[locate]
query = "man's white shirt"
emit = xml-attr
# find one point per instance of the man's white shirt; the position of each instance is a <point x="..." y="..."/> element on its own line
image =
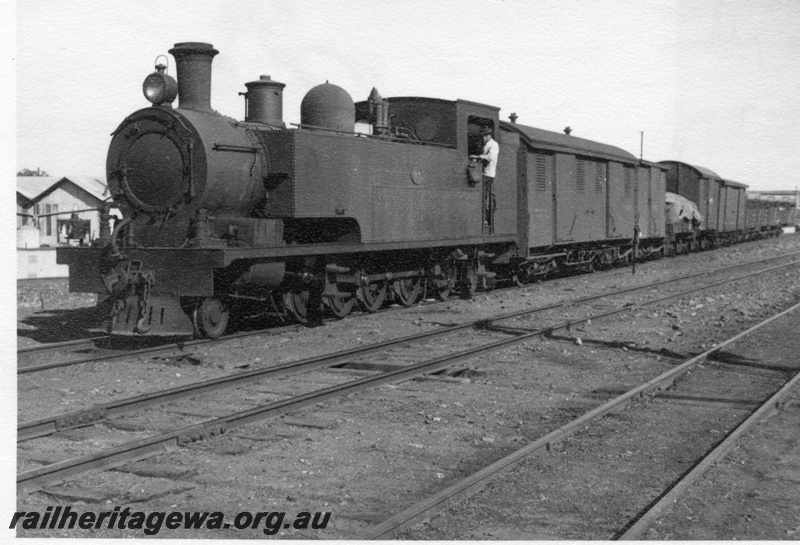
<point x="491" y="150"/>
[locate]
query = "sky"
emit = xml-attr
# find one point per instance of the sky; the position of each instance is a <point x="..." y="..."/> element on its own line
<point x="709" y="82"/>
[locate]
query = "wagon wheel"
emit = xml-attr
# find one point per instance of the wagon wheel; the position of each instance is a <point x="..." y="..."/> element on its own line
<point x="341" y="305"/>
<point x="408" y="290"/>
<point x="469" y="285"/>
<point x="373" y="295"/>
<point x="210" y="318"/>
<point x="522" y="275"/>
<point x="296" y="304"/>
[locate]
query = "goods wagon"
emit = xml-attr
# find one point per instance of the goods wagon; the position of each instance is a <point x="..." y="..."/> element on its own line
<point x="721" y="203"/>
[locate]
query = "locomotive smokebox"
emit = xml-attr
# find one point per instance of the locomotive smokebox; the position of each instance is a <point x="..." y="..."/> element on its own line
<point x="265" y="101"/>
<point x="194" y="74"/>
<point x="328" y="106"/>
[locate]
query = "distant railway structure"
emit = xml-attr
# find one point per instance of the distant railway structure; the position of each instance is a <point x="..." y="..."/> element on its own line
<point x="53" y="210"/>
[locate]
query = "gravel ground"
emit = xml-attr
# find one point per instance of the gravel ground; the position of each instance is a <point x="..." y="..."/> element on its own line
<point x="754" y="492"/>
<point x="599" y="479"/>
<point x="365" y="457"/>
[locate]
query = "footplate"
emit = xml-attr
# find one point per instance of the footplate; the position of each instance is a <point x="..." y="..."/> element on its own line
<point x="162" y="316"/>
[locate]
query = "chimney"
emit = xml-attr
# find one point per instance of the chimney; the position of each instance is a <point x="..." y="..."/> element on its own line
<point x="193" y="60"/>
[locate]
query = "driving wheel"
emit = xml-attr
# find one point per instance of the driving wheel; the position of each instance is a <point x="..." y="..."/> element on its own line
<point x="408" y="290"/>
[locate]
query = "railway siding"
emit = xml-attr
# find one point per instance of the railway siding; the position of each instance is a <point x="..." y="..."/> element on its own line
<point x="596" y="481"/>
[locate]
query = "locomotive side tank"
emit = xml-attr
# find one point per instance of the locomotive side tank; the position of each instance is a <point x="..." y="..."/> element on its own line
<point x="382" y="189"/>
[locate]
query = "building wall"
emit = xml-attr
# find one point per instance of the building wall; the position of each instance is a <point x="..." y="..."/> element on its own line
<point x="65" y="198"/>
<point x="24" y="211"/>
<point x="39" y="263"/>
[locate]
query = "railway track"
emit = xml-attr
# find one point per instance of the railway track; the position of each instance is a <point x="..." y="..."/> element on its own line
<point x="670" y="496"/>
<point x="426" y="508"/>
<point x="128" y="451"/>
<point x="83" y="346"/>
<point x="86" y="350"/>
<point x="51" y="424"/>
<point x="42" y="348"/>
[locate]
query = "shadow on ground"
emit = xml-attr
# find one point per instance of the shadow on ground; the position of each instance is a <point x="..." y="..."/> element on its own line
<point x="50" y="326"/>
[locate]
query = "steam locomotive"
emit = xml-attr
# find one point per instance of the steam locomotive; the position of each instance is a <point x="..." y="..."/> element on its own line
<point x="358" y="204"/>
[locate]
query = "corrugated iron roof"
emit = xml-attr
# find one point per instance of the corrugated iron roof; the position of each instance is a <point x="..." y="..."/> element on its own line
<point x="555" y="141"/>
<point x="32" y="187"/>
<point x="95" y="186"/>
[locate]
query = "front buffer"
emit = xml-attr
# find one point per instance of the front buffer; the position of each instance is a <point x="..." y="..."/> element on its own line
<point x="154" y="292"/>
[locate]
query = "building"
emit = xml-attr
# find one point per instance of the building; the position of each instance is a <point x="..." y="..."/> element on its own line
<point x="45" y="203"/>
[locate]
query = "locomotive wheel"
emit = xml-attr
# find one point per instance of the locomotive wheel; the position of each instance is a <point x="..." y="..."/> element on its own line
<point x="296" y="303"/>
<point x="211" y="318"/>
<point x="342" y="306"/>
<point x="373" y="295"/>
<point x="408" y="290"/>
<point x="441" y="285"/>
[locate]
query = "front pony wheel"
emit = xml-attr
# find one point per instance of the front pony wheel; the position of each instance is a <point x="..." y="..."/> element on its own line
<point x="210" y="318"/>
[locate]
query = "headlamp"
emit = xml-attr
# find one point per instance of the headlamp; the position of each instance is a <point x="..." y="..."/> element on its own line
<point x="159" y="88"/>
